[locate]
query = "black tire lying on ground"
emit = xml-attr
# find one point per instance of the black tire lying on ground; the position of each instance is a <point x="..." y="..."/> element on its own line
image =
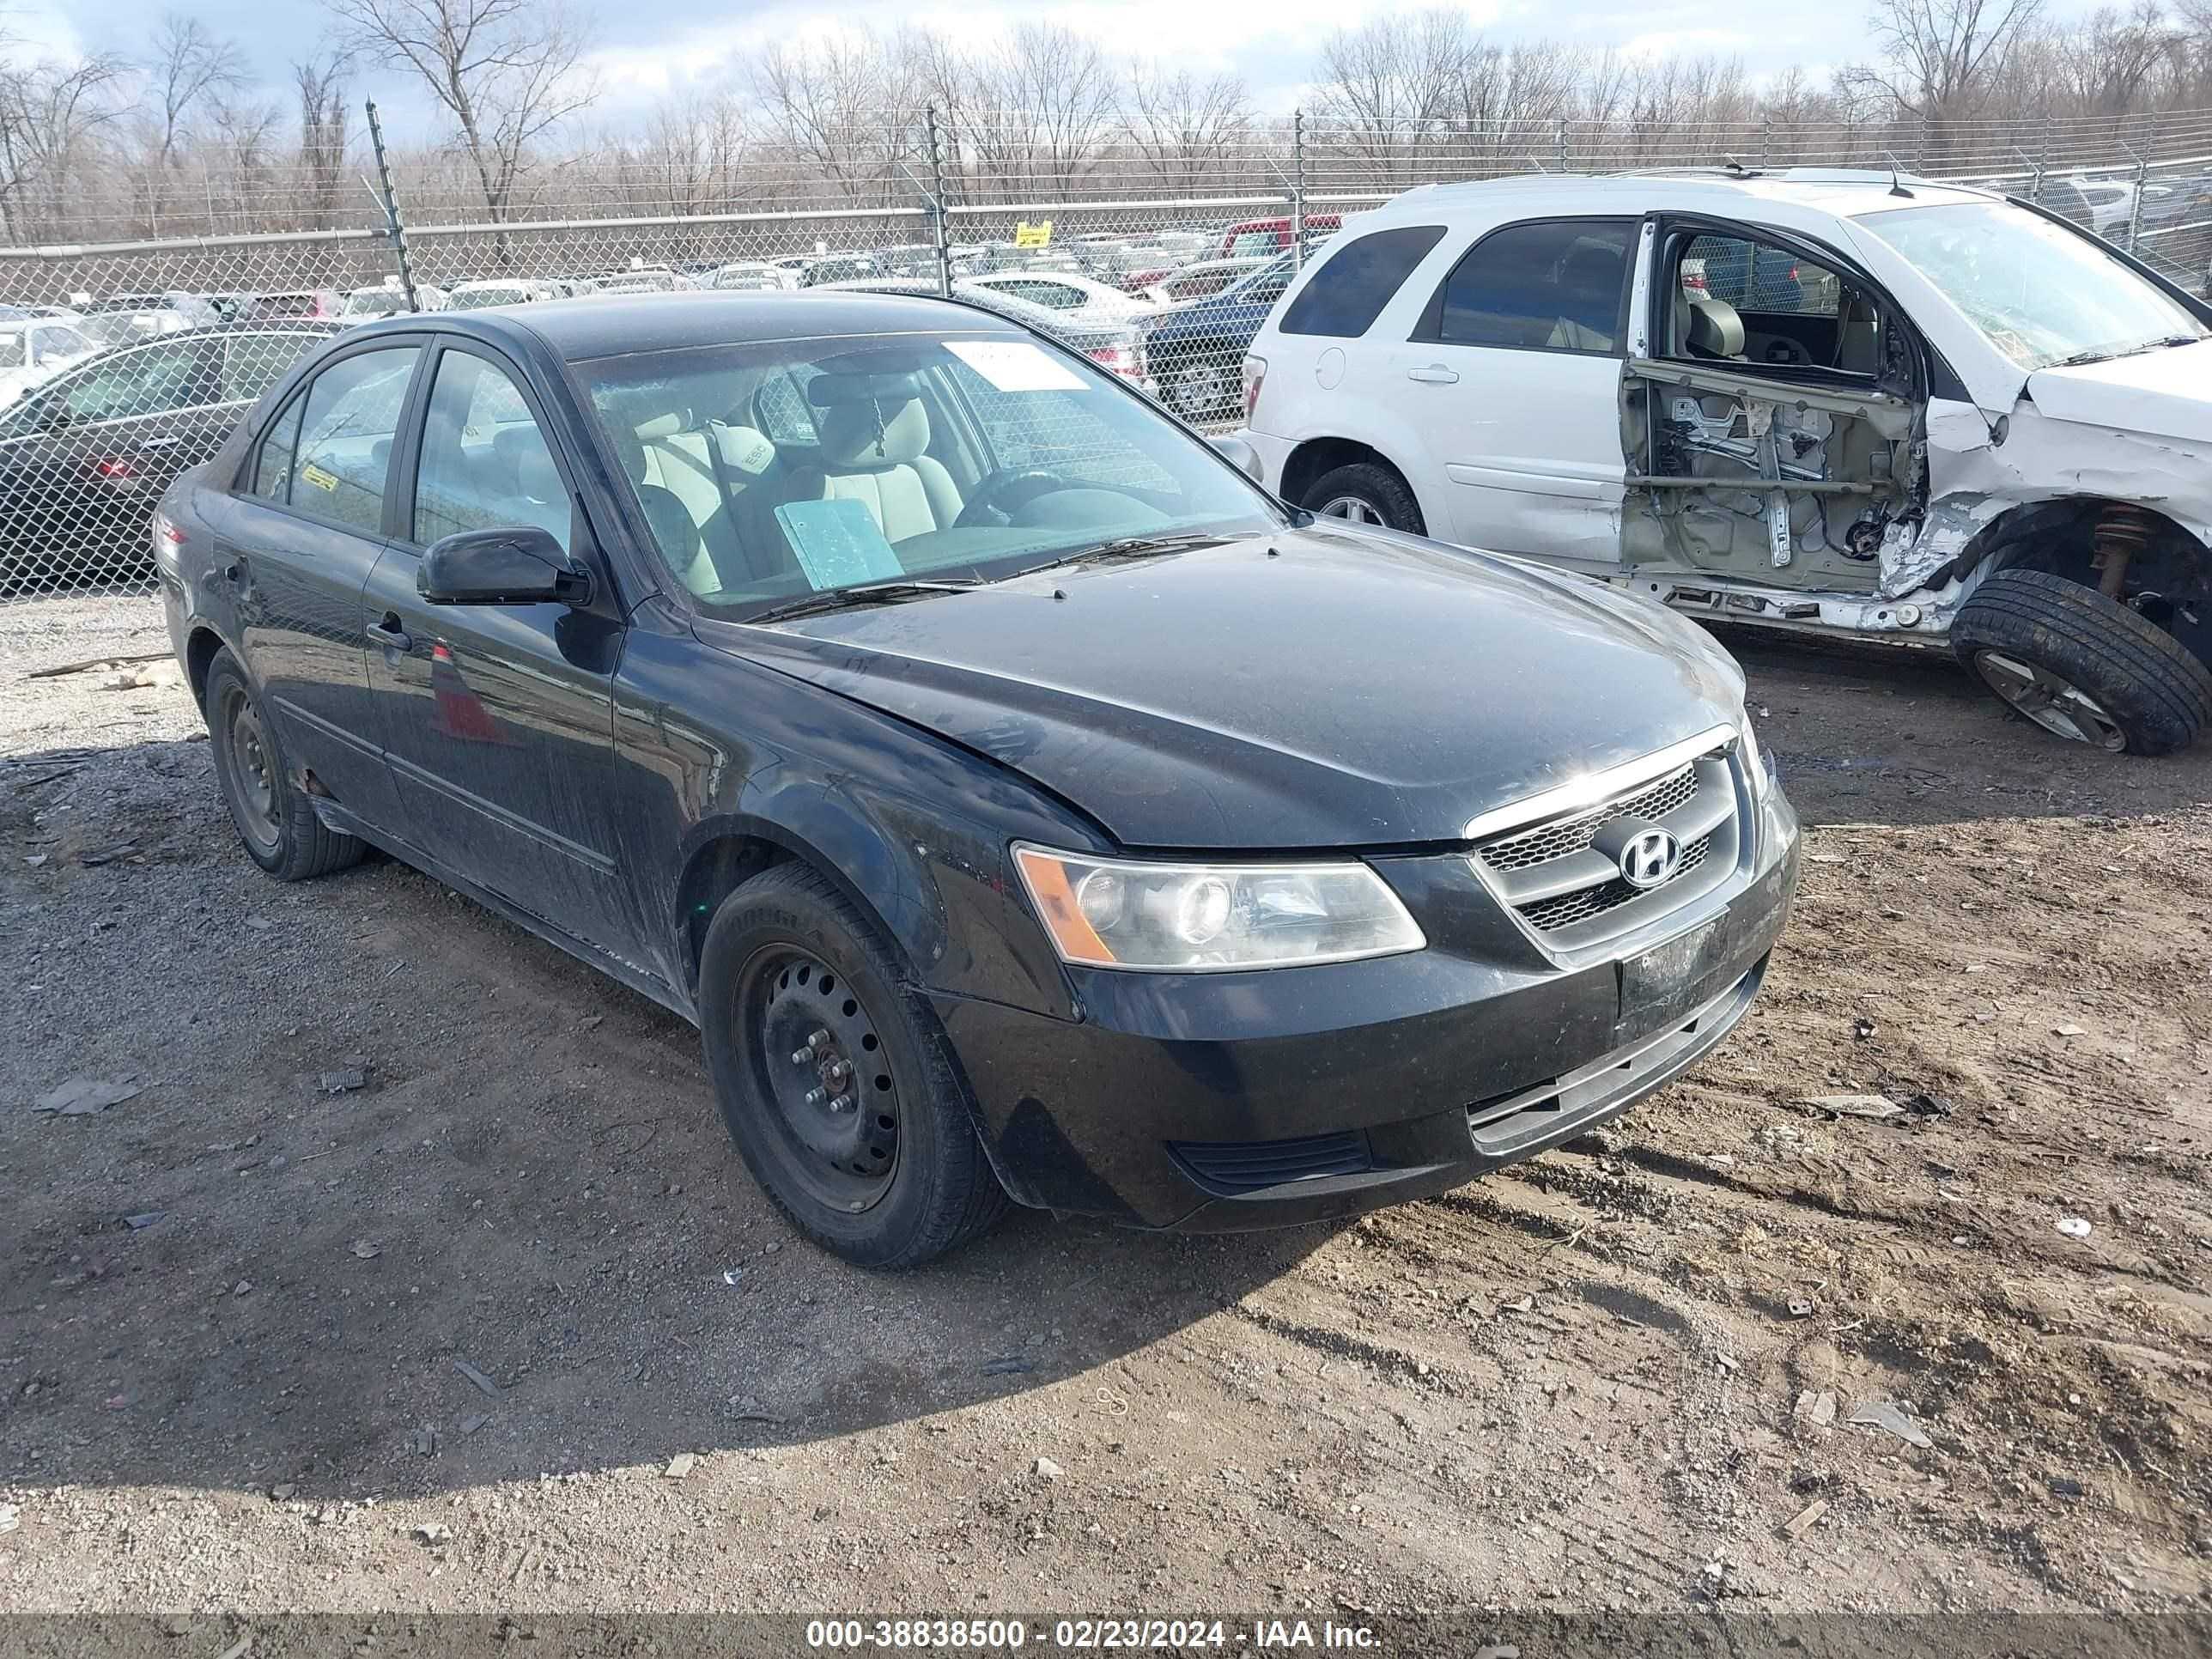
<point x="2097" y="672"/>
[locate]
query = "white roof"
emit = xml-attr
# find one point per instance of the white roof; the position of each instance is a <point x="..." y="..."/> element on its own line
<point x="1839" y="190"/>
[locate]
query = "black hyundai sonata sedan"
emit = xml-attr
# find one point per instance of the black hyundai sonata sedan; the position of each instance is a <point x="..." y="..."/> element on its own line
<point x="1022" y="803"/>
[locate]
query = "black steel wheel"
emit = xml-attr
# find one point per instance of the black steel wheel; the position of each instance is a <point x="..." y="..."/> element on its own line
<point x="835" y="1079"/>
<point x="273" y="818"/>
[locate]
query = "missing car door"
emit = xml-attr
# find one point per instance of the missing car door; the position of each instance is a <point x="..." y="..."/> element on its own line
<point x="1774" y="434"/>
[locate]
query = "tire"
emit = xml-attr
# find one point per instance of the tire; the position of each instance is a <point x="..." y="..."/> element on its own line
<point x="273" y="816"/>
<point x="1199" y="388"/>
<point x="2095" y="672"/>
<point x="1369" y="487"/>
<point x="897" y="1177"/>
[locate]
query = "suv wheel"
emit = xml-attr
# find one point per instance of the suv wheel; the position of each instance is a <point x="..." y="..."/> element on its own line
<point x="273" y="816"/>
<point x="1197" y="391"/>
<point x="835" y="1079"/>
<point x="1366" y="492"/>
<point x="2080" y="666"/>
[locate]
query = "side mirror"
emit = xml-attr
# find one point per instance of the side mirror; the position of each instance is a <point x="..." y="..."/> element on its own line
<point x="507" y="564"/>
<point x="1239" y="454"/>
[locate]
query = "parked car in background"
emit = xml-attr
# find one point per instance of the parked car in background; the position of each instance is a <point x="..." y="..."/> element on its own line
<point x="34" y="350"/>
<point x="302" y="304"/>
<point x="996" y="819"/>
<point x="115" y="328"/>
<point x="1962" y="419"/>
<point x="1111" y="346"/>
<point x="1263" y="238"/>
<point x="84" y="457"/>
<point x="366" y="305"/>
<point x="1081" y="300"/>
<point x="190" y="310"/>
<point x="485" y="292"/>
<point x="840" y="268"/>
<point x="752" y="277"/>
<point x="1203" y="277"/>
<point x="646" y="282"/>
<point x="1192" y="353"/>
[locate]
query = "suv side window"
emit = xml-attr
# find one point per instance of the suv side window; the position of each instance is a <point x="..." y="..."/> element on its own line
<point x="1356" y="280"/>
<point x="1737" y="299"/>
<point x="485" y="461"/>
<point x="352" y="411"/>
<point x="1552" y="285"/>
<point x="146" y="382"/>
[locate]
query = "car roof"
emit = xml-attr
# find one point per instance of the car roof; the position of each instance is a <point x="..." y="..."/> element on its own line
<point x="1839" y="190"/>
<point x="604" y="326"/>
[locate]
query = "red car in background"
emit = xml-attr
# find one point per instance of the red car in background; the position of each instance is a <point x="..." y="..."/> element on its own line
<point x="1265" y="237"/>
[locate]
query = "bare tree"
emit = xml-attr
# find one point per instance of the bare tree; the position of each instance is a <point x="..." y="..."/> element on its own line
<point x="1941" y="59"/>
<point x="1185" y="130"/>
<point x="321" y="83"/>
<point x="507" y="71"/>
<point x="50" y="114"/>
<point x="1385" y="89"/>
<point x="843" y="108"/>
<point x="1044" y="108"/>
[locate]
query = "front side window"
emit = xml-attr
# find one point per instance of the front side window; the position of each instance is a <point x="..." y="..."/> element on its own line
<point x="485" y="462"/>
<point x="1552" y="286"/>
<point x="345" y="436"/>
<point x="2041" y="294"/>
<point x="1357" y="279"/>
<point x="959" y="457"/>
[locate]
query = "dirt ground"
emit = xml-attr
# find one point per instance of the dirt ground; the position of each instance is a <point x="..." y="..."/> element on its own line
<point x="433" y="1342"/>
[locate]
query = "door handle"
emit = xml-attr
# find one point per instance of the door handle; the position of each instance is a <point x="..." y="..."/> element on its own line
<point x="389" y="633"/>
<point x="1434" y="375"/>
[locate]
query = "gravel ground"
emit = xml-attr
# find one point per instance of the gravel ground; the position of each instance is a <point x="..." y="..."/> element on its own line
<point x="507" y="1326"/>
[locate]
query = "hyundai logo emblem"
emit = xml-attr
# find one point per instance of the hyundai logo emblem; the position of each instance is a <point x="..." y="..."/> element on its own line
<point x="1649" y="858"/>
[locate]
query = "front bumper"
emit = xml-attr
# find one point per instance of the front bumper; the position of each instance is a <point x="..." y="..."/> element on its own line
<point x="1228" y="1100"/>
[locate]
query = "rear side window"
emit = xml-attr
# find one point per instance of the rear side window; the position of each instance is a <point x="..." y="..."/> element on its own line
<point x="345" y="439"/>
<point x="1357" y="280"/>
<point x="1554" y="286"/>
<point x="272" y="462"/>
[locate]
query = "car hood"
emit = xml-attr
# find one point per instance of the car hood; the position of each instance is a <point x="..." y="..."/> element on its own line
<point x="1320" y="688"/>
<point x="2166" y="394"/>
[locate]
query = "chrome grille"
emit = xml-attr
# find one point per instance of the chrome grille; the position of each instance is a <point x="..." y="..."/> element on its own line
<point x="1564" y="909"/>
<point x="1558" y="839"/>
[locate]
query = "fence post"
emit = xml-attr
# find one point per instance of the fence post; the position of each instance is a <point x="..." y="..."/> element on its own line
<point x="394" y="226"/>
<point x="1298" y="189"/>
<point x="2042" y="167"/>
<point x="2143" y="178"/>
<point x="1559" y="140"/>
<point x="1767" y="141"/>
<point x="940" y="228"/>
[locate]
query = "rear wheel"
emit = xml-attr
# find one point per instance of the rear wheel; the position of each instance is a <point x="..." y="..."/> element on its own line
<point x="273" y="816"/>
<point x="835" y="1079"/>
<point x="1366" y="492"/>
<point x="1200" y="390"/>
<point x="2083" y="667"/>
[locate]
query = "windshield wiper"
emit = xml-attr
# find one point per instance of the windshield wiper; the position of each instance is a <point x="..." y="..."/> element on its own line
<point x="1125" y="547"/>
<point x="897" y="591"/>
<point x="2080" y="359"/>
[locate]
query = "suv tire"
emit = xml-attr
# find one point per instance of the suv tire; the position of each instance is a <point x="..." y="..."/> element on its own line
<point x="2083" y="667"/>
<point x="794" y="984"/>
<point x="273" y="816"/>
<point x="1365" y="492"/>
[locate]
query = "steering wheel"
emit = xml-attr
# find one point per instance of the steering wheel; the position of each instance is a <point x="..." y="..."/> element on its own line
<point x="1020" y="485"/>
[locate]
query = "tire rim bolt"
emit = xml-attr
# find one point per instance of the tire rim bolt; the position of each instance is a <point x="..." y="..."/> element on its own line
<point x="816" y="1096"/>
<point x="801" y="1056"/>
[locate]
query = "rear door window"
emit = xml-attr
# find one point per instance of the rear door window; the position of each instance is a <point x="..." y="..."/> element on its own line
<point x="345" y="439"/>
<point x="1554" y="285"/>
<point x="1357" y="279"/>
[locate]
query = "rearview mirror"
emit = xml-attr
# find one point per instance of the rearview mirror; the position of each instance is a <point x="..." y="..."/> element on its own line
<point x="1239" y="454"/>
<point x="507" y="564"/>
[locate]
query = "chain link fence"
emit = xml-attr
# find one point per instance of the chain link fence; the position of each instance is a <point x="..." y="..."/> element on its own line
<point x="123" y="361"/>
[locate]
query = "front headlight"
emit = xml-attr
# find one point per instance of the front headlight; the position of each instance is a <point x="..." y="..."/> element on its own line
<point x="1208" y="917"/>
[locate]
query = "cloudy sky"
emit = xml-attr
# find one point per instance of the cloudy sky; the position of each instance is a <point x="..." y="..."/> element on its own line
<point x="645" y="51"/>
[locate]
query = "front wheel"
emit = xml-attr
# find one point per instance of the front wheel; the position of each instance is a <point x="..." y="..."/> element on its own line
<point x="835" y="1079"/>
<point x="1366" y="492"/>
<point x="2083" y="667"/>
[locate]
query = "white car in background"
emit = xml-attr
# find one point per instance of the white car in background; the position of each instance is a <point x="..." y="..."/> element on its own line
<point x="1082" y="300"/>
<point x="753" y="276"/>
<point x="366" y="305"/>
<point x="34" y="352"/>
<point x="1830" y="401"/>
<point x="490" y="291"/>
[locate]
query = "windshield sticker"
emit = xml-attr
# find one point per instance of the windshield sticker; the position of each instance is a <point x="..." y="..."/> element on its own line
<point x="1015" y="365"/>
<point x="837" y="544"/>
<point x="315" y="475"/>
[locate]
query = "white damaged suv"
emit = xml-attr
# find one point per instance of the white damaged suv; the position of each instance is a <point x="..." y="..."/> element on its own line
<point x="1835" y="401"/>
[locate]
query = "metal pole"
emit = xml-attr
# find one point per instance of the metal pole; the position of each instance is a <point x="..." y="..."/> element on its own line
<point x="394" y="226"/>
<point x="1298" y="189"/>
<point x="939" y="227"/>
<point x="1767" y="141"/>
<point x="2142" y="177"/>
<point x="1559" y="140"/>
<point x="1920" y="145"/>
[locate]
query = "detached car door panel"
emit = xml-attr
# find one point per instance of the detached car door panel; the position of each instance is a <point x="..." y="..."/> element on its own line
<point x="498" y="720"/>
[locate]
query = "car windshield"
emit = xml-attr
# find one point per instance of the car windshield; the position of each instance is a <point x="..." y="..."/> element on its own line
<point x="121" y="327"/>
<point x="862" y="459"/>
<point x="376" y="302"/>
<point x="476" y="299"/>
<point x="2043" y="294"/>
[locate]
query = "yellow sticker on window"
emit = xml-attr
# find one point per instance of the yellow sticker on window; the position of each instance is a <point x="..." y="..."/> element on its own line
<point x="315" y="475"/>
